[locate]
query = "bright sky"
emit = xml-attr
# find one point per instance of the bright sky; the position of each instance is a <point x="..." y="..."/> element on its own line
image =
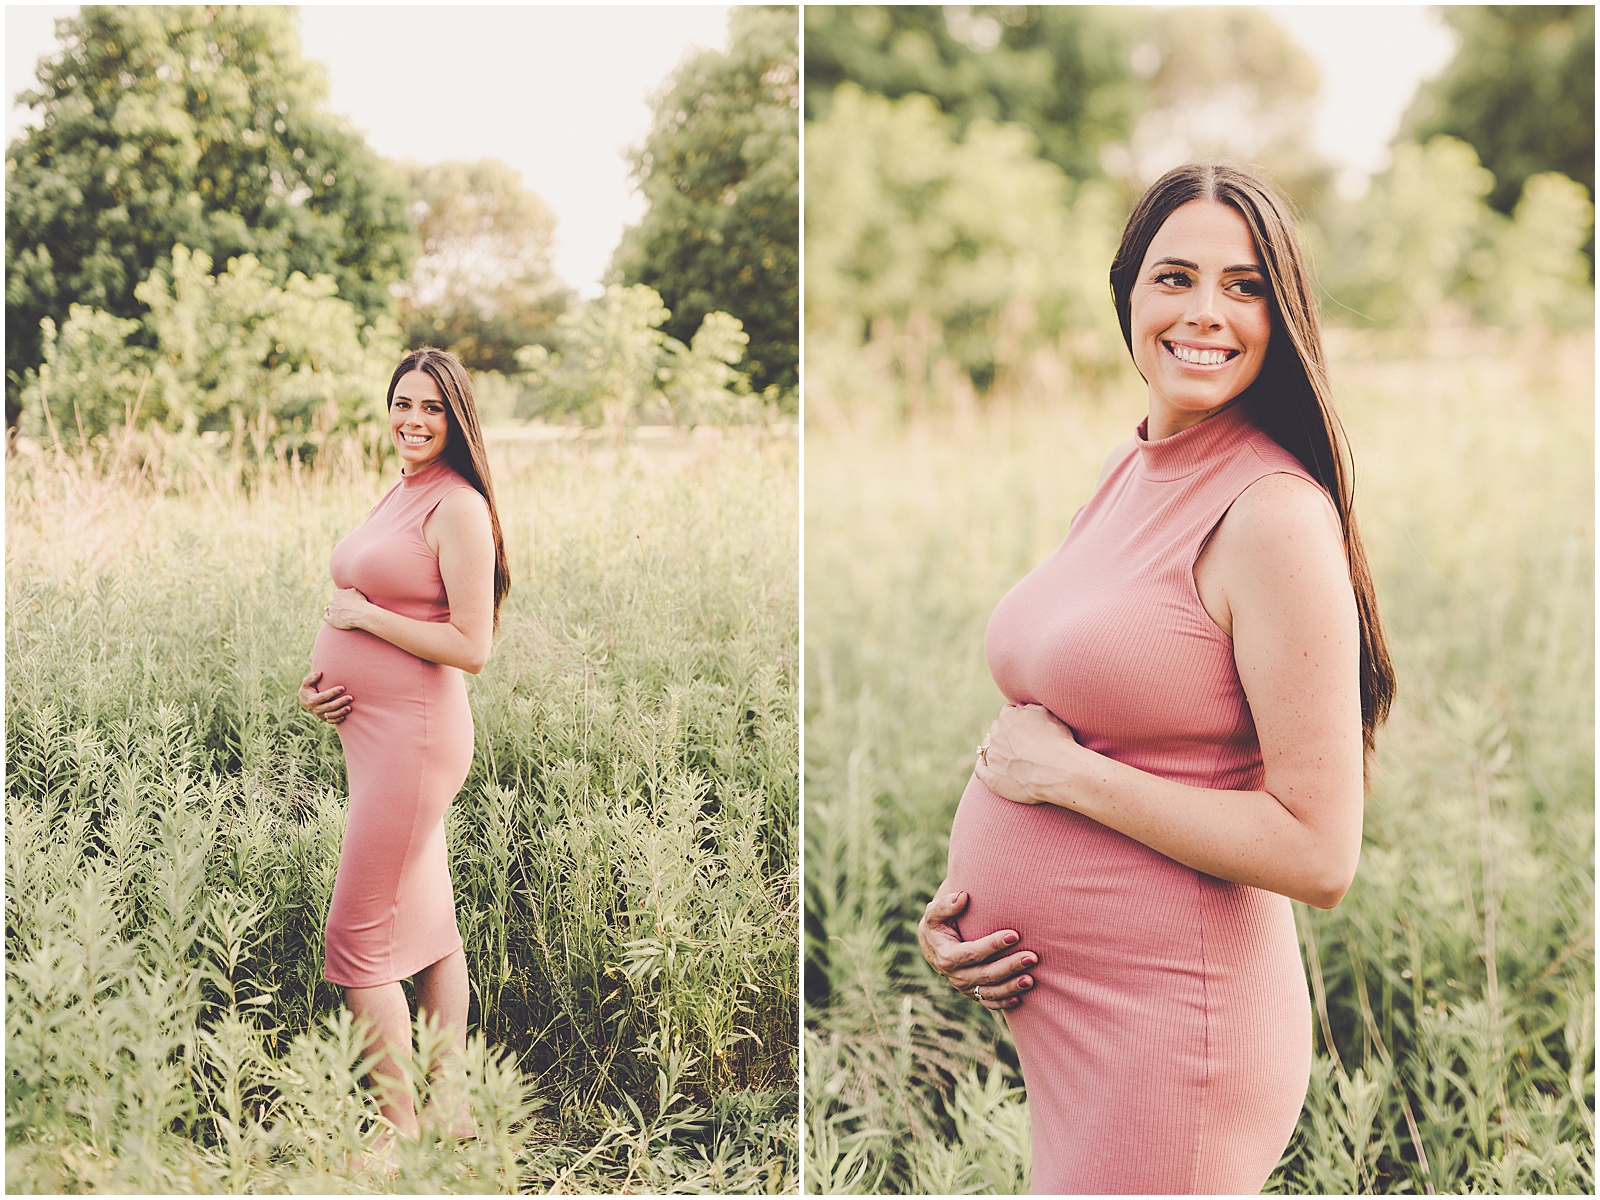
<point x="561" y="92"/>
<point x="1371" y="57"/>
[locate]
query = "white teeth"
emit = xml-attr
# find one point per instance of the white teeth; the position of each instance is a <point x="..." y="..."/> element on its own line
<point x="1200" y="358"/>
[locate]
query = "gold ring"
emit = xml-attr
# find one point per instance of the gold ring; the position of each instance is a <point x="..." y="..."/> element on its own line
<point x="983" y="753"/>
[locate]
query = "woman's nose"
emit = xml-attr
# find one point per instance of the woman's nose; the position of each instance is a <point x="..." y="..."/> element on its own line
<point x="1203" y="307"/>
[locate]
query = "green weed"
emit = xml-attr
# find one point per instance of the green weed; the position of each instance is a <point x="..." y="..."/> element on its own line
<point x="624" y="849"/>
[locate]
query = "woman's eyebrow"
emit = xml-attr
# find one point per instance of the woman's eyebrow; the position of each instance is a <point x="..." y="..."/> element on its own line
<point x="1183" y="262"/>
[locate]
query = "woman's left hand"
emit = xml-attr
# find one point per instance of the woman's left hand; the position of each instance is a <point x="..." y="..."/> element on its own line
<point x="346" y="609"/>
<point x="1026" y="756"/>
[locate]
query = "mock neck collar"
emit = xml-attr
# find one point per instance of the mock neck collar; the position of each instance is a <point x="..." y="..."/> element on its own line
<point x="1186" y="451"/>
<point x="423" y="474"/>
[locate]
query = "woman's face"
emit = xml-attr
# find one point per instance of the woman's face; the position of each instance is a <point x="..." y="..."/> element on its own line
<point x="1200" y="317"/>
<point x="418" y="421"/>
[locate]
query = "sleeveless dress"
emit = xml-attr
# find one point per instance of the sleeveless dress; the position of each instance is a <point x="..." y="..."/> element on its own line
<point x="407" y="746"/>
<point x="1166" y="1042"/>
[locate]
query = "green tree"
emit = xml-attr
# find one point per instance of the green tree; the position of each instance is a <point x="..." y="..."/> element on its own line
<point x="616" y="365"/>
<point x="200" y="126"/>
<point x="1520" y="91"/>
<point x="484" y="284"/>
<point x="1107" y="91"/>
<point x="1224" y="83"/>
<point x="1401" y="251"/>
<point x="1066" y="72"/>
<point x="1424" y="239"/>
<point x="232" y="352"/>
<point x="721" y="171"/>
<point x="971" y="250"/>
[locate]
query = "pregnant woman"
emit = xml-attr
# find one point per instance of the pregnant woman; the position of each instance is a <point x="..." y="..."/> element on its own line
<point x="419" y="591"/>
<point x="1195" y="676"/>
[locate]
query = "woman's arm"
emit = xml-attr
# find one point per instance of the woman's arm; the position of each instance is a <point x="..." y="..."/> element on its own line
<point x="1277" y="580"/>
<point x="460" y="533"/>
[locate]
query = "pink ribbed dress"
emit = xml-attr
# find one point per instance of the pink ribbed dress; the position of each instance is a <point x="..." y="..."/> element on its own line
<point x="1166" y="1043"/>
<point x="407" y="749"/>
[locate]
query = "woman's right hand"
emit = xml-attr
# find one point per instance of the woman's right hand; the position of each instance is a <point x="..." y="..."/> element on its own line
<point x="988" y="968"/>
<point x="331" y="706"/>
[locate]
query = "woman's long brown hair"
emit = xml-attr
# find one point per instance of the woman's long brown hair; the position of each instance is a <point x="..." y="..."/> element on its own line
<point x="1291" y="399"/>
<point x="463" y="447"/>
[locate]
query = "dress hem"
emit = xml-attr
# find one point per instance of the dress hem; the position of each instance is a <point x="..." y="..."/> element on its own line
<point x="460" y="943"/>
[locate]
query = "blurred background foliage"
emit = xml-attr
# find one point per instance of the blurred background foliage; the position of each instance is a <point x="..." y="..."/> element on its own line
<point x="1520" y="92"/>
<point x="921" y="118"/>
<point x="186" y="153"/>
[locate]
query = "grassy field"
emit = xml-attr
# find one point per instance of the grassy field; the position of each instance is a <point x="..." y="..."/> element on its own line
<point x="624" y="851"/>
<point x="1455" y="984"/>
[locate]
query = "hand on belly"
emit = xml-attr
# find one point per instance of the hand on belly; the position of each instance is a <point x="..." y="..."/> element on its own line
<point x="991" y="970"/>
<point x="1027" y="755"/>
<point x="332" y="705"/>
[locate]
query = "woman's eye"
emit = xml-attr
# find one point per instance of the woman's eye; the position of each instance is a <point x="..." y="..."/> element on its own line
<point x="1251" y="287"/>
<point x="1176" y="278"/>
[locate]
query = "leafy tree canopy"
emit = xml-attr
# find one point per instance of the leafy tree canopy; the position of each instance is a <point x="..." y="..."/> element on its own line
<point x="1225" y="83"/>
<point x="1066" y="72"/>
<point x="721" y="171"/>
<point x="974" y="250"/>
<point x="1107" y="91"/>
<point x="1520" y="91"/>
<point x="616" y="366"/>
<point x="484" y="285"/>
<point x="199" y="126"/>
<point x="225" y="350"/>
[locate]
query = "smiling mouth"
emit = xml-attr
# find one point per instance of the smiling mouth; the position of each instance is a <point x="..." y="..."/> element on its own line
<point x="416" y="439"/>
<point x="1195" y="357"/>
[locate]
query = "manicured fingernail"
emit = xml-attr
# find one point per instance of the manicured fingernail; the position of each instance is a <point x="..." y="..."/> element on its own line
<point x="1025" y="982"/>
<point x="1010" y="939"/>
<point x="1028" y="960"/>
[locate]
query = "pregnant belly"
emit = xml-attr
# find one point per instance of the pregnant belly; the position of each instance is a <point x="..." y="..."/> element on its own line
<point x="386" y="684"/>
<point x="361" y="662"/>
<point x="1100" y="909"/>
<point x="1167" y="1041"/>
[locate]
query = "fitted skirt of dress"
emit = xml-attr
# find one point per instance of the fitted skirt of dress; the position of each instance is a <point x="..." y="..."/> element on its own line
<point x="1166" y="1043"/>
<point x="408" y="745"/>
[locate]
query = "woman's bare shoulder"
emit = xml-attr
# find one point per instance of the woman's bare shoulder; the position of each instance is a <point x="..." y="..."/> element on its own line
<point x="1283" y="505"/>
<point x="465" y="498"/>
<point x="1280" y="550"/>
<point x="461" y="515"/>
<point x="1277" y="548"/>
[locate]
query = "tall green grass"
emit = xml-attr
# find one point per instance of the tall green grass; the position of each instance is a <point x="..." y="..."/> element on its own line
<point x="624" y="850"/>
<point x="1454" y="986"/>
